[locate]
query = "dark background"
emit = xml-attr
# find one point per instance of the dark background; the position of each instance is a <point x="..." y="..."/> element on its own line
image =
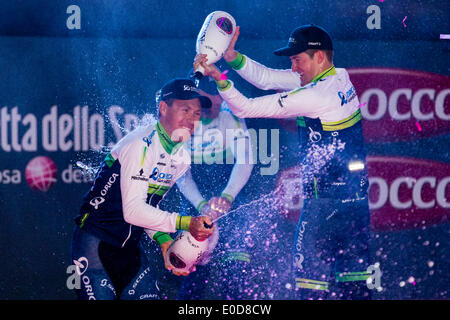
<point x="125" y="51"/>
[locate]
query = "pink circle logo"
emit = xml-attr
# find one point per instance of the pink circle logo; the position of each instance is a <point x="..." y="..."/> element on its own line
<point x="41" y="173"/>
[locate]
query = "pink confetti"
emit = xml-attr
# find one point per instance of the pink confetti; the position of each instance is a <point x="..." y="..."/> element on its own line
<point x="418" y="126"/>
<point x="404" y="21"/>
<point x="362" y="105"/>
<point x="223" y="76"/>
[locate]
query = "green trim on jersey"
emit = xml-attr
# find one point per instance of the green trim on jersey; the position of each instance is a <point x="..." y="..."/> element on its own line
<point x="237" y="255"/>
<point x="301" y="122"/>
<point x="166" y="142"/>
<point x="159" y="190"/>
<point x="311" y="284"/>
<point x="83" y="220"/>
<point x="352" y="276"/>
<point x="183" y="222"/>
<point x="295" y="91"/>
<point x="162" y="237"/>
<point x="331" y="71"/>
<point x="223" y="85"/>
<point x="109" y="160"/>
<point x="206" y="121"/>
<point x="143" y="155"/>
<point x="201" y="205"/>
<point x="228" y="197"/>
<point x="342" y="124"/>
<point x="238" y="63"/>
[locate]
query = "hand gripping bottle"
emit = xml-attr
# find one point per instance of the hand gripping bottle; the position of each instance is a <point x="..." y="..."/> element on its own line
<point x="186" y="251"/>
<point x="215" y="37"/>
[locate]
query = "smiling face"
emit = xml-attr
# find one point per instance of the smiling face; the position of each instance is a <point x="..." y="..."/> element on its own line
<point x="309" y="65"/>
<point x="305" y="66"/>
<point x="180" y="118"/>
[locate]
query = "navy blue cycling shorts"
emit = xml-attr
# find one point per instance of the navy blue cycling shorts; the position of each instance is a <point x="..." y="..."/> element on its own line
<point x="331" y="247"/>
<point x="110" y="273"/>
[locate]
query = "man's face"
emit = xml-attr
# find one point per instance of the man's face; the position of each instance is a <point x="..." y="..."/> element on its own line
<point x="306" y="66"/>
<point x="216" y="101"/>
<point x="181" y="118"/>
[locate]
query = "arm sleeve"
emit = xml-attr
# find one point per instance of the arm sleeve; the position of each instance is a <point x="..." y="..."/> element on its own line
<point x="158" y="236"/>
<point x="242" y="152"/>
<point x="304" y="101"/>
<point x="134" y="191"/>
<point x="189" y="189"/>
<point x="265" y="78"/>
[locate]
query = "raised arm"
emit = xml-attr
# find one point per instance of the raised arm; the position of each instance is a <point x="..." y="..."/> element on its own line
<point x="257" y="74"/>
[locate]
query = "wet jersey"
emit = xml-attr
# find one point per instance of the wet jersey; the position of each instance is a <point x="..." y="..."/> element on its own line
<point x="329" y="120"/>
<point x="130" y="183"/>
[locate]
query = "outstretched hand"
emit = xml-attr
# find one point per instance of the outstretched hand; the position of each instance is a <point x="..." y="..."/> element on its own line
<point x="164" y="247"/>
<point x="220" y="204"/>
<point x="230" y="54"/>
<point x="197" y="227"/>
<point x="210" y="69"/>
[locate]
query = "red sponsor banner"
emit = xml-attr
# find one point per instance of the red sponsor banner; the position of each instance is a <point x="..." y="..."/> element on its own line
<point x="408" y="193"/>
<point x="404" y="193"/>
<point x="402" y="104"/>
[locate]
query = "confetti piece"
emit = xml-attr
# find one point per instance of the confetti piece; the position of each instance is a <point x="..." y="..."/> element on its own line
<point x="444" y="36"/>
<point x="404" y="21"/>
<point x="223" y="76"/>
<point x="315" y="187"/>
<point x="418" y="126"/>
<point x="362" y="104"/>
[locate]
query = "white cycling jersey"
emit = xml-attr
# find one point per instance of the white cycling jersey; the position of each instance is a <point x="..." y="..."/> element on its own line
<point x="132" y="180"/>
<point x="328" y="116"/>
<point x="331" y="96"/>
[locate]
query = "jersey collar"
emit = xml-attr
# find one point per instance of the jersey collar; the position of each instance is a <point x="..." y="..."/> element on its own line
<point x="206" y="121"/>
<point x="329" y="72"/>
<point x="166" y="142"/>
